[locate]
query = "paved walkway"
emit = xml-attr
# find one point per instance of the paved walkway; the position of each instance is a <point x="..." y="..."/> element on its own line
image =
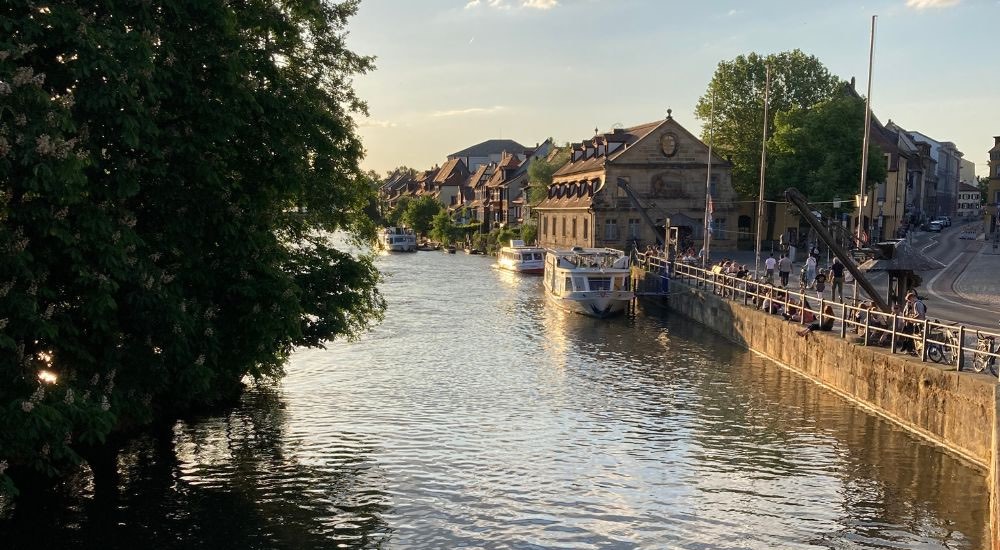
<point x="980" y="282"/>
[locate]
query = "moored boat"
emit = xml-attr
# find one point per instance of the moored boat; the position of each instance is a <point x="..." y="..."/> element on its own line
<point x="590" y="281"/>
<point x="398" y="239"/>
<point x="522" y="259"/>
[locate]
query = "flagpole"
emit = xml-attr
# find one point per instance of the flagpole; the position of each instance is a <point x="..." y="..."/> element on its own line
<point x="864" y="143"/>
<point x="763" y="168"/>
<point x="707" y="239"/>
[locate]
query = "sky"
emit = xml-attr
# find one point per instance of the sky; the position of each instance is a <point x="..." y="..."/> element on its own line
<point x="452" y="73"/>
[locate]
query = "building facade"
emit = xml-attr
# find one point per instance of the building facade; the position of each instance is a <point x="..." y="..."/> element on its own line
<point x="993" y="191"/>
<point x="970" y="201"/>
<point x="616" y="181"/>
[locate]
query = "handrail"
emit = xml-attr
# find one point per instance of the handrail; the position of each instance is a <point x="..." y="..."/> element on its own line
<point x="873" y="326"/>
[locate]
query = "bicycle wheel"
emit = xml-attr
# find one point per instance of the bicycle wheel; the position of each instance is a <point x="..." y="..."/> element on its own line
<point x="979" y="362"/>
<point x="934" y="353"/>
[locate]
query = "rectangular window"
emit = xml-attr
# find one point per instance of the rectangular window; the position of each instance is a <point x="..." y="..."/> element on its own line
<point x="568" y="285"/>
<point x="564" y="226"/>
<point x="574" y="228"/>
<point x="545" y="225"/>
<point x="719" y="228"/>
<point x="610" y="230"/>
<point x="600" y="283"/>
<point x="585" y="222"/>
<point x="633" y="228"/>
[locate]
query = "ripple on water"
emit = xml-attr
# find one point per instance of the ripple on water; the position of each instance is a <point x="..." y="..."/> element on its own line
<point x="478" y="416"/>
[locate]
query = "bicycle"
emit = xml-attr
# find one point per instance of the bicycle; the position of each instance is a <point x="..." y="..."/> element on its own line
<point x="945" y="346"/>
<point x="981" y="359"/>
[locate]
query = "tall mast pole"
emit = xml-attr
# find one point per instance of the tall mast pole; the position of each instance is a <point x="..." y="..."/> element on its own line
<point x="707" y="238"/>
<point x="763" y="168"/>
<point x="864" y="143"/>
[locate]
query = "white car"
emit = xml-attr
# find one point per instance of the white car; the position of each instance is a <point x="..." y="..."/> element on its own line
<point x="934" y="226"/>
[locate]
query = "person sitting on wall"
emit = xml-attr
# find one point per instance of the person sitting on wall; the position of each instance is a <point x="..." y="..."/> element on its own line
<point x="825" y="323"/>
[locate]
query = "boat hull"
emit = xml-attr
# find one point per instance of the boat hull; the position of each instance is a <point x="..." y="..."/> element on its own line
<point x="592" y="304"/>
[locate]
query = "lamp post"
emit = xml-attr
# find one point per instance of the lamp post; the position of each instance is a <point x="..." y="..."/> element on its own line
<point x="881" y="218"/>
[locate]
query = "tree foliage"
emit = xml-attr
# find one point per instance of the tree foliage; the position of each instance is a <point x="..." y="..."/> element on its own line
<point x="818" y="150"/>
<point x="152" y="156"/>
<point x="419" y="213"/>
<point x="540" y="173"/>
<point x="443" y="228"/>
<point x="798" y="80"/>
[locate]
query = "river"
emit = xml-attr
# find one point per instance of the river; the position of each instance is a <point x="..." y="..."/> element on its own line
<point x="479" y="416"/>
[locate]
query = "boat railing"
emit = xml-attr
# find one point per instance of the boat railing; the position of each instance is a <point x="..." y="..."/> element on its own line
<point x="935" y="340"/>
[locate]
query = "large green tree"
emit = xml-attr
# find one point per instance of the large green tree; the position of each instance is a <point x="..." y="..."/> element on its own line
<point x="420" y="212"/>
<point x="152" y="156"/>
<point x="818" y="150"/>
<point x="798" y="80"/>
<point x="540" y="172"/>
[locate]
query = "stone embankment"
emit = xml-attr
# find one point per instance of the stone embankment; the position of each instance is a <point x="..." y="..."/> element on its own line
<point x="958" y="411"/>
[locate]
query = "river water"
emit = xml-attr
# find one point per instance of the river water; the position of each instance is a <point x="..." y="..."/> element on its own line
<point x="479" y="416"/>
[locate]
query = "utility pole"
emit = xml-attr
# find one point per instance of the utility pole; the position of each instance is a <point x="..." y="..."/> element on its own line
<point x="763" y="168"/>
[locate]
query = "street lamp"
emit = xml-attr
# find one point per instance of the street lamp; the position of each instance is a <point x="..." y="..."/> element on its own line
<point x="881" y="219"/>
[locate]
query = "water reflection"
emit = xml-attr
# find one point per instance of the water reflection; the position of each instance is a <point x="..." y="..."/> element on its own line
<point x="478" y="415"/>
<point x="239" y="481"/>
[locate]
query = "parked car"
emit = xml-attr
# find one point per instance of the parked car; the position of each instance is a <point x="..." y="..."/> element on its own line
<point x="945" y="221"/>
<point x="934" y="226"/>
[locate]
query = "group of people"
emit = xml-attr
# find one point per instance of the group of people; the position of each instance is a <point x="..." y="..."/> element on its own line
<point x="811" y="278"/>
<point x="908" y="320"/>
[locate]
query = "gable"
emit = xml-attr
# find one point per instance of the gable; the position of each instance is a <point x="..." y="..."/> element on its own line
<point x="651" y="149"/>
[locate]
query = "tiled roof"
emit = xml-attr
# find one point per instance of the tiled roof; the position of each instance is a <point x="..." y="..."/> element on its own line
<point x="965" y="187"/>
<point x="627" y="136"/>
<point x="489" y="147"/>
<point x="452" y="173"/>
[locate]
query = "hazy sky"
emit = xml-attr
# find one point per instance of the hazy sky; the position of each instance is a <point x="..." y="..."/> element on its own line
<point x="453" y="73"/>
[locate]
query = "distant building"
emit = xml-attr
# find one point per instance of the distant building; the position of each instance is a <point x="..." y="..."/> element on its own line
<point x="993" y="190"/>
<point x="665" y="167"/>
<point x="488" y="151"/>
<point x="948" y="159"/>
<point x="447" y="184"/>
<point x="970" y="201"/>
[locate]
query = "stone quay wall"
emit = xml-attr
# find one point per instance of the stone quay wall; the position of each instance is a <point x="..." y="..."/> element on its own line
<point x="955" y="410"/>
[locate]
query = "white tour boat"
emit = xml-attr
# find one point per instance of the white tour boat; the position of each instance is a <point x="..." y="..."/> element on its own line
<point x="591" y="281"/>
<point x="522" y="259"/>
<point x="398" y="239"/>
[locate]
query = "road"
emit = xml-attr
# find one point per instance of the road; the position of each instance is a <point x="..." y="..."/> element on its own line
<point x="943" y="302"/>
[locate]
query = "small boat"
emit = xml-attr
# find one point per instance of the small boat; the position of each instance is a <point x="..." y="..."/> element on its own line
<point x="470" y="250"/>
<point x="398" y="239"/>
<point x="522" y="259"/>
<point x="450" y="249"/>
<point x="590" y="281"/>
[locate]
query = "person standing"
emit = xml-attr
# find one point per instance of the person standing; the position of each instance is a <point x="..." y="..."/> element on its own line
<point x="810" y="270"/>
<point x="837" y="269"/>
<point x="769" y="265"/>
<point x="784" y="269"/>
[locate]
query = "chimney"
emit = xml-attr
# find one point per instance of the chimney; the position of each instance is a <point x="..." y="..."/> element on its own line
<point x="997" y="140"/>
<point x="852" y="82"/>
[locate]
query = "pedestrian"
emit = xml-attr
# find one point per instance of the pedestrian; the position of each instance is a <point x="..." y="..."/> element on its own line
<point x="820" y="285"/>
<point x="784" y="269"/>
<point x="810" y="271"/>
<point x="814" y="251"/>
<point x="837" y="269"/>
<point x="769" y="265"/>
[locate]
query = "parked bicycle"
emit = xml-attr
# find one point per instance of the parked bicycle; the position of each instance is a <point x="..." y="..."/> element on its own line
<point x="981" y="359"/>
<point x="942" y="344"/>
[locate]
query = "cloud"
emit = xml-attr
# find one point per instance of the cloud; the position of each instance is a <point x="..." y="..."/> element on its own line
<point x="508" y="4"/>
<point x="469" y="111"/>
<point x="372" y="123"/>
<point x="733" y="12"/>
<point x="925" y="4"/>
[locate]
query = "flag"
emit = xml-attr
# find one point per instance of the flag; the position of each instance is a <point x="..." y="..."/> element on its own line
<point x="711" y="208"/>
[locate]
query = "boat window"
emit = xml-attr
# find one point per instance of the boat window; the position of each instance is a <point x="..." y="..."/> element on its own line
<point x="538" y="256"/>
<point x="619" y="283"/>
<point x="568" y="284"/>
<point x="580" y="282"/>
<point x="600" y="283"/>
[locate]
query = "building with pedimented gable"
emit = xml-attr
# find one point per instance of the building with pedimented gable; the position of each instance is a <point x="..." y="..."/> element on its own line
<point x="665" y="167"/>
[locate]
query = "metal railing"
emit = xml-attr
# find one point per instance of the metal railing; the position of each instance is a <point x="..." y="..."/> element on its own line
<point x="937" y="341"/>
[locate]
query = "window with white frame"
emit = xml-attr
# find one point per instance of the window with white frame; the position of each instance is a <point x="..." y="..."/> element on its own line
<point x="633" y="228"/>
<point x="611" y="229"/>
